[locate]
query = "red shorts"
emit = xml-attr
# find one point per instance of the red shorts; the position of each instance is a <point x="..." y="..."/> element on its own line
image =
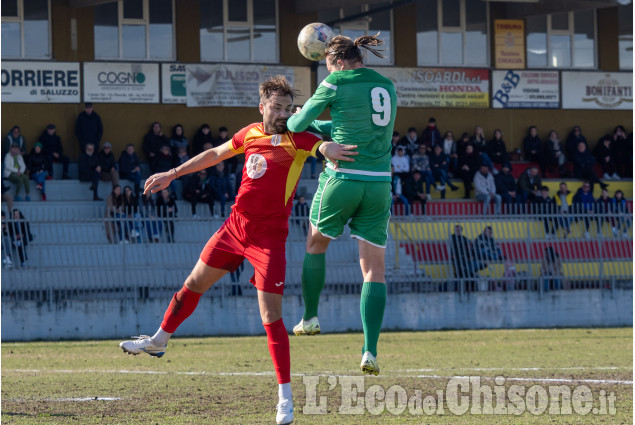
<point x="263" y="246"/>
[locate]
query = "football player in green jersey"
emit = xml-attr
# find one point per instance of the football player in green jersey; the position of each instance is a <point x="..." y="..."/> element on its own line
<point x="363" y="105"/>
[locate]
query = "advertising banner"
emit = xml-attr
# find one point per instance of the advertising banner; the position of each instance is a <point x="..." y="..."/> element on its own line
<point x="229" y="85"/>
<point x="173" y="83"/>
<point x="40" y="82"/>
<point x="121" y="82"/>
<point x="509" y="44"/>
<point x="597" y="90"/>
<point x="525" y="89"/>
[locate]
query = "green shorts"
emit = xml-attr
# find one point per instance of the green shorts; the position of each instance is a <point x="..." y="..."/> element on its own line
<point x="365" y="203"/>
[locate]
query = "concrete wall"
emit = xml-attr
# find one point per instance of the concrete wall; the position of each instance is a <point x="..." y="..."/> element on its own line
<point x="26" y="320"/>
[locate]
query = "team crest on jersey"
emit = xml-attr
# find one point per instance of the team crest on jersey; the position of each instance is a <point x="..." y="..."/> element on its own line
<point x="256" y="165"/>
<point x="276" y="139"/>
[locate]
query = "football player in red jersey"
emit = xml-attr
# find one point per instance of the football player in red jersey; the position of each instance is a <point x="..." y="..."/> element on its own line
<point x="273" y="161"/>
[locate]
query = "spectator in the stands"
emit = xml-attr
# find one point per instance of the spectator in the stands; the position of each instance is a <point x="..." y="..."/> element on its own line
<point x="167" y="210"/>
<point x="88" y="128"/>
<point x="15" y="171"/>
<point x="414" y="191"/>
<point x="89" y="169"/>
<point x="52" y="147"/>
<point x="37" y="166"/>
<point x="564" y="205"/>
<point x="421" y="162"/>
<point x="623" y="151"/>
<point x="20" y="234"/>
<point x="401" y="163"/>
<point x="583" y="163"/>
<point x="621" y="213"/>
<point x="397" y="191"/>
<point x="575" y="138"/>
<point x="410" y="142"/>
<point x="108" y="164"/>
<point x="461" y="144"/>
<point x="603" y="211"/>
<point x="301" y="213"/>
<point x="486" y="247"/>
<point x="463" y="258"/>
<point x="130" y="204"/>
<point x="114" y="215"/>
<point x="152" y="143"/>
<point x="439" y="165"/>
<point x="584" y="206"/>
<point x="7" y="197"/>
<point x="181" y="156"/>
<point x="554" y="153"/>
<point x="449" y="149"/>
<point x="545" y="206"/>
<point x="130" y="167"/>
<point x="604" y="153"/>
<point x="7" y="246"/>
<point x="469" y="163"/>
<point x="506" y="187"/>
<point x="222" y="189"/>
<point x="480" y="146"/>
<point x="203" y="135"/>
<point x="164" y="160"/>
<point x="178" y="140"/>
<point x="232" y="163"/>
<point x="394" y="142"/>
<point x="431" y="136"/>
<point x="485" y="190"/>
<point x="14" y="137"/>
<point x="551" y="270"/>
<point x="529" y="184"/>
<point x="496" y="149"/>
<point x="149" y="212"/>
<point x="198" y="190"/>
<point x="533" y="148"/>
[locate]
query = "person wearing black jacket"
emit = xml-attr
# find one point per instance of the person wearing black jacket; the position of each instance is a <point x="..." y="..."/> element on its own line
<point x="130" y="208"/>
<point x="221" y="185"/>
<point x="130" y="167"/>
<point x="469" y="163"/>
<point x="198" y="190"/>
<point x="37" y="166"/>
<point x="88" y="128"/>
<point x="545" y="205"/>
<point x="533" y="148"/>
<point x="52" y="147"/>
<point x="202" y="136"/>
<point x="20" y="234"/>
<point x="496" y="149"/>
<point x="89" y="169"/>
<point x="108" y="165"/>
<point x="152" y="143"/>
<point x="506" y="186"/>
<point x="574" y="138"/>
<point x="554" y="152"/>
<point x="604" y="153"/>
<point x="583" y="163"/>
<point x="166" y="208"/>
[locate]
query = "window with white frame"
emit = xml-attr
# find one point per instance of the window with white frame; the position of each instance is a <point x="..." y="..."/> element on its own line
<point x="135" y="30"/>
<point x="26" y="29"/>
<point x="625" y="31"/>
<point x="452" y="33"/>
<point x="371" y="24"/>
<point x="239" y="30"/>
<point x="561" y="40"/>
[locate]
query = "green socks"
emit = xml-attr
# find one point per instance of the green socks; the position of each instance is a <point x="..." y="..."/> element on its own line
<point x="313" y="278"/>
<point x="372" y="305"/>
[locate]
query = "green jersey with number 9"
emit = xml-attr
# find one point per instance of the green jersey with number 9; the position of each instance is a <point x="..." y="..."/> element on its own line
<point x="363" y="106"/>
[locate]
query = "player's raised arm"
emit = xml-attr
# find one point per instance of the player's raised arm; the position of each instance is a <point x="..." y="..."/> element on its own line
<point x="312" y="109"/>
<point x="321" y="127"/>
<point x="203" y="160"/>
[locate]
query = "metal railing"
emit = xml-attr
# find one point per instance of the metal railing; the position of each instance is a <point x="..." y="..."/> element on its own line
<point x="531" y="247"/>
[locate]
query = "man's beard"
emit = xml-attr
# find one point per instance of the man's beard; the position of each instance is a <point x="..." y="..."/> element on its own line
<point x="280" y="126"/>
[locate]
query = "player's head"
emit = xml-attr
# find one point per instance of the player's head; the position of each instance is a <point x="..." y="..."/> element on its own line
<point x="343" y="53"/>
<point x="276" y="101"/>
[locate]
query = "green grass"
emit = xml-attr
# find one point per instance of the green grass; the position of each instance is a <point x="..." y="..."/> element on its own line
<point x="192" y="386"/>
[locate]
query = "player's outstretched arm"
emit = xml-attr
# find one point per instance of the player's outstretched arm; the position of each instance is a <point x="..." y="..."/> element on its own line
<point x="336" y="152"/>
<point x="203" y="160"/>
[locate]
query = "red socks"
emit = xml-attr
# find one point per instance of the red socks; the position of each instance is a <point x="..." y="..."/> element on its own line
<point x="278" y="341"/>
<point x="181" y="307"/>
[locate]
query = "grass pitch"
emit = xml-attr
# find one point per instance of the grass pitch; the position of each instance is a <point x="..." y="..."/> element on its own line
<point x="230" y="380"/>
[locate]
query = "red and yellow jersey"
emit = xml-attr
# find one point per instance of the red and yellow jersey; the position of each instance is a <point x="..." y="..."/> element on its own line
<point x="273" y="163"/>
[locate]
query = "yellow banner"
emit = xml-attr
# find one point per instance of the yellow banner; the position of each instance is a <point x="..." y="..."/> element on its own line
<point x="509" y="50"/>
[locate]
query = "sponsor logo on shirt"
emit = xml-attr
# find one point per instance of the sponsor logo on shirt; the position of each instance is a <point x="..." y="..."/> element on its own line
<point x="256" y="166"/>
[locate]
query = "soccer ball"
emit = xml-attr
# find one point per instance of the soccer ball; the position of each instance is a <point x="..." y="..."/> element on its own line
<point x="313" y="40"/>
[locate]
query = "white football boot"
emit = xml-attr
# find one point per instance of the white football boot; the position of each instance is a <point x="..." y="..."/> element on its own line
<point x="285" y="412"/>
<point x="307" y="327"/>
<point x="143" y="343"/>
<point x="369" y="364"/>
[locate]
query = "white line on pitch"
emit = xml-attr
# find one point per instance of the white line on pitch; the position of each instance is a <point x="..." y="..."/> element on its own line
<point x="155" y="372"/>
<point x="484" y="369"/>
